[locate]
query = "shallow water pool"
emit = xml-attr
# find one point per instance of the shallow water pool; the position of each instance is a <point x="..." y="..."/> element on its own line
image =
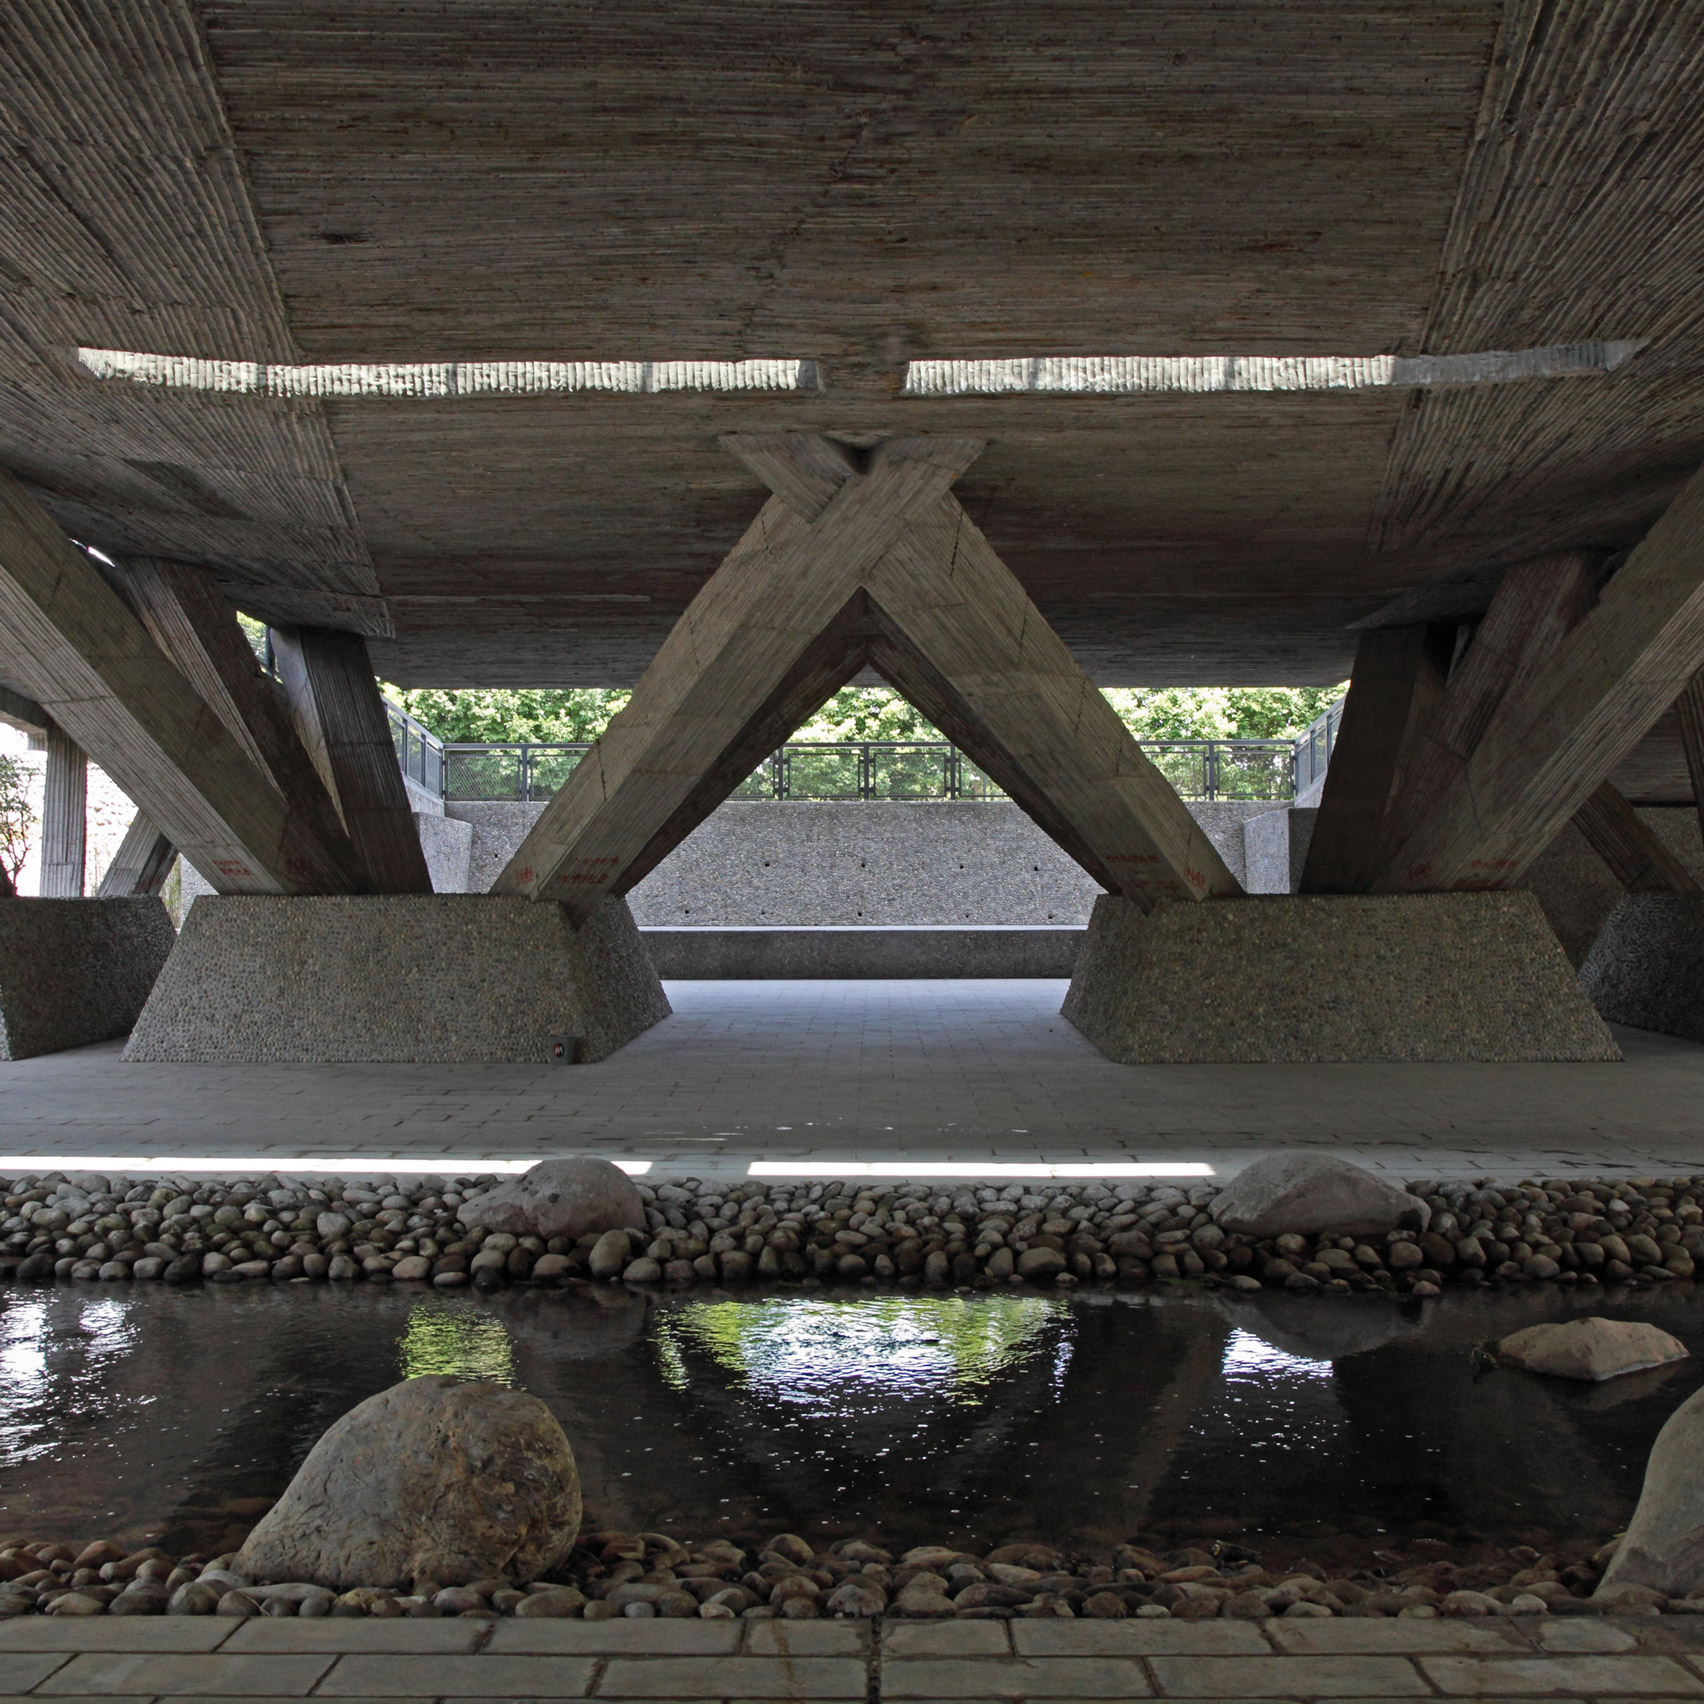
<point x="175" y="1417"/>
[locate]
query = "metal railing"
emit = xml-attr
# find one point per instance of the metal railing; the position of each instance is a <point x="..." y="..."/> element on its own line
<point x="419" y="752"/>
<point x="1314" y="746"/>
<point x="875" y="769"/>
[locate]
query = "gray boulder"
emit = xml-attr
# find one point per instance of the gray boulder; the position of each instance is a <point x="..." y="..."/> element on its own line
<point x="1313" y="1193"/>
<point x="432" y="1479"/>
<point x="560" y="1198"/>
<point x="1590" y="1348"/>
<point x="1664" y="1547"/>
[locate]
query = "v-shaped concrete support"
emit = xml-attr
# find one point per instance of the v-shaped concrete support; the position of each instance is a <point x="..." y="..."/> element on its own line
<point x="854" y="562"/>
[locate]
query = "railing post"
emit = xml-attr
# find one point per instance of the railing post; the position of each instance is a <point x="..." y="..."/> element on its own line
<point x="523" y="773"/>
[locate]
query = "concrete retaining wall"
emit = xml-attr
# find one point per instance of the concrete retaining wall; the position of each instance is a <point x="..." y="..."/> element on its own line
<point x="879" y="863"/>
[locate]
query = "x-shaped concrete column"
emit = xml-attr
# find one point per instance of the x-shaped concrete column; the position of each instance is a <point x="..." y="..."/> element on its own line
<point x="855" y="561"/>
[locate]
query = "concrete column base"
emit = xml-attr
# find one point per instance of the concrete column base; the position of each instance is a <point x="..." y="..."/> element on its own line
<point x="75" y="971"/>
<point x="1306" y="979"/>
<point x="402" y="978"/>
<point x="1646" y="967"/>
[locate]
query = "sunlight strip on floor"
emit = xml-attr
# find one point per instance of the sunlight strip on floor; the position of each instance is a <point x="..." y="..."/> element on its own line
<point x="976" y="1168"/>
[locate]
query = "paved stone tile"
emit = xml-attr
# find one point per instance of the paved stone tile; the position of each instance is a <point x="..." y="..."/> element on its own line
<point x="1581" y="1633"/>
<point x="945" y="1639"/>
<point x="1320" y="1638"/>
<point x="658" y="1636"/>
<point x="84" y="1698"/>
<point x="188" y="1673"/>
<point x="115" y="1632"/>
<point x="365" y="1676"/>
<point x="807" y="1638"/>
<point x="1288" y="1677"/>
<point x="732" y="1677"/>
<point x="931" y="1070"/>
<point x="1014" y="1677"/>
<point x="1631" y="1676"/>
<point x="338" y="1634"/>
<point x="20" y="1670"/>
<point x="1137" y="1638"/>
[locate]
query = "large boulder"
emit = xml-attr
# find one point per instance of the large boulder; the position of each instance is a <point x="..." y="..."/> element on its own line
<point x="432" y="1479"/>
<point x="560" y="1198"/>
<point x="1314" y="1194"/>
<point x="1664" y="1546"/>
<point x="1590" y="1348"/>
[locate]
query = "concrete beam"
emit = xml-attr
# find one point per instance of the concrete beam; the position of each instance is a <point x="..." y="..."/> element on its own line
<point x="1395" y="691"/>
<point x="64" y="817"/>
<point x="340" y="714"/>
<point x="70" y="642"/>
<point x="140" y="866"/>
<point x="1637" y="858"/>
<point x="1565" y="724"/>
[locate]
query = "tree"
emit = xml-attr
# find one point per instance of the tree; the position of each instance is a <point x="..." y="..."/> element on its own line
<point x="16" y="817"/>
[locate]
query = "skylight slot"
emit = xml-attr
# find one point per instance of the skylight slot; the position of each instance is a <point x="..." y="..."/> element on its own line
<point x="439" y="379"/>
<point x="1134" y="375"/>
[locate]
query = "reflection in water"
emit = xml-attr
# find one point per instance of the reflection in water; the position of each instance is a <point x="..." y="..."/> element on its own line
<point x="1251" y="1359"/>
<point x="464" y="1341"/>
<point x="170" y="1416"/>
<point x="829" y="1356"/>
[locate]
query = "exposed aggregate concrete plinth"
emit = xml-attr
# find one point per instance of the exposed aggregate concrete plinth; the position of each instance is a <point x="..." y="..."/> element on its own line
<point x="75" y="971"/>
<point x="1646" y="967"/>
<point x="1318" y="978"/>
<point x="399" y="978"/>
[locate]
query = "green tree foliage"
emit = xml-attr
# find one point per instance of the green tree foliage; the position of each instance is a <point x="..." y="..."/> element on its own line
<point x="873" y="713"/>
<point x="16" y="817"/>
<point x="1221" y="712"/>
<point x="538" y="715"/>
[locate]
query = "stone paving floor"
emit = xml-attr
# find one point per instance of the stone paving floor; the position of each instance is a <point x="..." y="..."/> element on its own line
<point x="947" y="1071"/>
<point x="1524" y="1657"/>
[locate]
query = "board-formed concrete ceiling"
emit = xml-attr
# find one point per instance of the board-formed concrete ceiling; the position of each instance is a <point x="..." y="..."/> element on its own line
<point x="292" y="184"/>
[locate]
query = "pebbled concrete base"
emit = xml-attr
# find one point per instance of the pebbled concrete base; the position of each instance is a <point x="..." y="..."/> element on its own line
<point x="74" y="971"/>
<point x="1646" y="967"/>
<point x="396" y="978"/>
<point x="805" y="955"/>
<point x="1312" y="979"/>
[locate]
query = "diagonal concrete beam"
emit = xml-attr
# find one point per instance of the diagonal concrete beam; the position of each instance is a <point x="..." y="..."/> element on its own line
<point x="734" y="660"/>
<point x="1570" y="719"/>
<point x="1015" y="698"/>
<point x="1534" y="609"/>
<point x="1634" y="854"/>
<point x="140" y="866"/>
<point x="340" y="713"/>
<point x="70" y="641"/>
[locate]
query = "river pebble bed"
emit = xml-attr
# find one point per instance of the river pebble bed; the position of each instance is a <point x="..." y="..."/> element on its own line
<point x="1571" y="1231"/>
